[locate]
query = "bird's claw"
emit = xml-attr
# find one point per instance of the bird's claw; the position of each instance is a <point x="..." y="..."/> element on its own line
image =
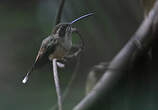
<point x="60" y="65"/>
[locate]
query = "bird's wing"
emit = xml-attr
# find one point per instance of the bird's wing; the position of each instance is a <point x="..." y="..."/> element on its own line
<point x="47" y="46"/>
<point x="40" y="52"/>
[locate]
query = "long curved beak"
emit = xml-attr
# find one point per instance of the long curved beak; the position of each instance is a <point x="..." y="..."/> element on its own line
<point x="84" y="16"/>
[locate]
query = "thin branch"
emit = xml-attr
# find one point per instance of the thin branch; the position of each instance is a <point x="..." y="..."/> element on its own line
<point x="57" y="85"/>
<point x="139" y="43"/>
<point x="69" y="85"/>
<point x="60" y="9"/>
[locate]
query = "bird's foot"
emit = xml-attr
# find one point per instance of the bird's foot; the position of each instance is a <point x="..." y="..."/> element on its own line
<point x="60" y="65"/>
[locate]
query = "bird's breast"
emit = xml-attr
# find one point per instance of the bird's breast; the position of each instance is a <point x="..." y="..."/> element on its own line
<point x="59" y="53"/>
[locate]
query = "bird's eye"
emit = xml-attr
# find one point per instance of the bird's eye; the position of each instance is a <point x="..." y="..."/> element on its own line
<point x="62" y="31"/>
<point x="68" y="28"/>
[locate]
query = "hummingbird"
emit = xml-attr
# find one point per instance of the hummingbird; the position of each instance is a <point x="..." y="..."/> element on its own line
<point x="56" y="46"/>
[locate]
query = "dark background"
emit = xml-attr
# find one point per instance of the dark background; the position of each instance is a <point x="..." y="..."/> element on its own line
<point x="23" y="25"/>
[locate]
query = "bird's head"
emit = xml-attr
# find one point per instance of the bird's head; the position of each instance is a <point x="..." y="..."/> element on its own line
<point x="65" y="29"/>
<point x="62" y="29"/>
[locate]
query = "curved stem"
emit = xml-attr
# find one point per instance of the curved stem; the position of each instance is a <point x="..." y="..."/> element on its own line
<point x="61" y="6"/>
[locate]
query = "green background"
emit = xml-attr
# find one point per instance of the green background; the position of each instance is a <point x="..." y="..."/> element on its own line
<point x="23" y="25"/>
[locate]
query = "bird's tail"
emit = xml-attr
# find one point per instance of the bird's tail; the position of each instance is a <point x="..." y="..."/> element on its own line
<point x="27" y="75"/>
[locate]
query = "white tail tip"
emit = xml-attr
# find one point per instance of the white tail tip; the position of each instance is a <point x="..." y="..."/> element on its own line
<point x="25" y="80"/>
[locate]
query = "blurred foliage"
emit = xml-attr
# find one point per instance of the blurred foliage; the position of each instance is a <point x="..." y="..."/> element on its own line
<point x="24" y="24"/>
